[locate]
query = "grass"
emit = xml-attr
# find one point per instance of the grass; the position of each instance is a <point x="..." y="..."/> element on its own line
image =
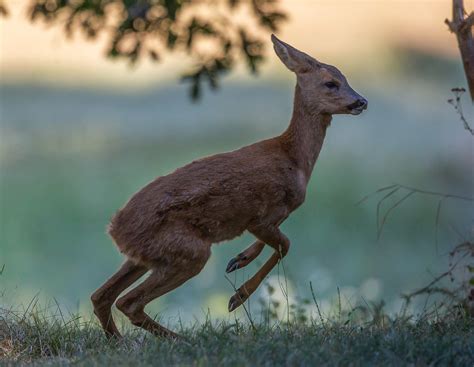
<point x="41" y="337"/>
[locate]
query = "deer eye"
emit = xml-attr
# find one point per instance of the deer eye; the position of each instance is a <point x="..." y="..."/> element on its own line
<point x="331" y="85"/>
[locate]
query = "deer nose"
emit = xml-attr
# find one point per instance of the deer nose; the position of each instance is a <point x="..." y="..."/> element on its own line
<point x="361" y="103"/>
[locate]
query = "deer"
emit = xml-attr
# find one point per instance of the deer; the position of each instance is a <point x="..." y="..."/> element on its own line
<point x="168" y="227"/>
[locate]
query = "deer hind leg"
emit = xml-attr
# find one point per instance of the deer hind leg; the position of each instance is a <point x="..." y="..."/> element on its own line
<point x="245" y="257"/>
<point x="275" y="238"/>
<point x="104" y="297"/>
<point x="162" y="280"/>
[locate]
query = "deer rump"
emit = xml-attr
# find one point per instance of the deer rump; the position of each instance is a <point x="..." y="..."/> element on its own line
<point x="215" y="199"/>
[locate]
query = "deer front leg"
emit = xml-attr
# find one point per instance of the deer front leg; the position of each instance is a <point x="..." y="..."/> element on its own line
<point x="273" y="237"/>
<point x="245" y="257"/>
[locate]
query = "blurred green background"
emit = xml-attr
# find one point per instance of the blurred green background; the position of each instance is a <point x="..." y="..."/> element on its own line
<point x="71" y="155"/>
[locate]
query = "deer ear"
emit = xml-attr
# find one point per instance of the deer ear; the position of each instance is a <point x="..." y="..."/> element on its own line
<point x="294" y="59"/>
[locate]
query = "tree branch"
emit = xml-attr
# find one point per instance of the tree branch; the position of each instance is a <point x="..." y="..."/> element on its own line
<point x="468" y="23"/>
<point x="462" y="26"/>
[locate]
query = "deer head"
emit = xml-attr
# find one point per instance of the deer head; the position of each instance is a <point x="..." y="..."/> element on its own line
<point x="324" y="89"/>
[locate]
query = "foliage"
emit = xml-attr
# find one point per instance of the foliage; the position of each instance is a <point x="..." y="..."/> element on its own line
<point x="208" y="31"/>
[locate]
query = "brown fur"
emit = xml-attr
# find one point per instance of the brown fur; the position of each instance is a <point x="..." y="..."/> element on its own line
<point x="168" y="227"/>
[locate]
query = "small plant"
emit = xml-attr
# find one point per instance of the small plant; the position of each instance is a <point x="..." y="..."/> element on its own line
<point x="461" y="275"/>
<point x="456" y="103"/>
<point x="460" y="295"/>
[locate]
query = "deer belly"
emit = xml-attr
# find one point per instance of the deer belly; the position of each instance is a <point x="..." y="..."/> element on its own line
<point x="218" y="231"/>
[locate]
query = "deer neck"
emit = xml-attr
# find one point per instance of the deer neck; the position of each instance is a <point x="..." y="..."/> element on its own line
<point x="304" y="136"/>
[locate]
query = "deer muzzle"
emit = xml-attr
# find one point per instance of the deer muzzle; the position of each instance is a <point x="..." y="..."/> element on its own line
<point x="358" y="106"/>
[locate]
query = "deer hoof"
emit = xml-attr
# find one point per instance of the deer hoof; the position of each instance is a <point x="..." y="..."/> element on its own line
<point x="236" y="263"/>
<point x="236" y="300"/>
<point x="232" y="265"/>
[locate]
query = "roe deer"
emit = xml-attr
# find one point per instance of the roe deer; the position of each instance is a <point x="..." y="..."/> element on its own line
<point x="168" y="227"/>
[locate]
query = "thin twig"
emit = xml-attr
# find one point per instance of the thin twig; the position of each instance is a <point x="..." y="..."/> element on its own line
<point x="384" y="219"/>
<point x="436" y="193"/>
<point x="379" y="204"/>
<point x="427" y="288"/>
<point x="316" y="303"/>
<point x="375" y="193"/>
<point x="284" y="291"/>
<point x="339" y="302"/>
<point x="381" y="220"/>
<point x="438" y="214"/>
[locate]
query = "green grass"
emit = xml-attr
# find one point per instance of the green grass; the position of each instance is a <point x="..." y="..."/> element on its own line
<point x="42" y="338"/>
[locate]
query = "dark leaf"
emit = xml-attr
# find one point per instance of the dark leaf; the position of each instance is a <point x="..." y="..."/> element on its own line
<point x="3" y="10"/>
<point x="195" y="89"/>
<point x="172" y="38"/>
<point x="154" y="55"/>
